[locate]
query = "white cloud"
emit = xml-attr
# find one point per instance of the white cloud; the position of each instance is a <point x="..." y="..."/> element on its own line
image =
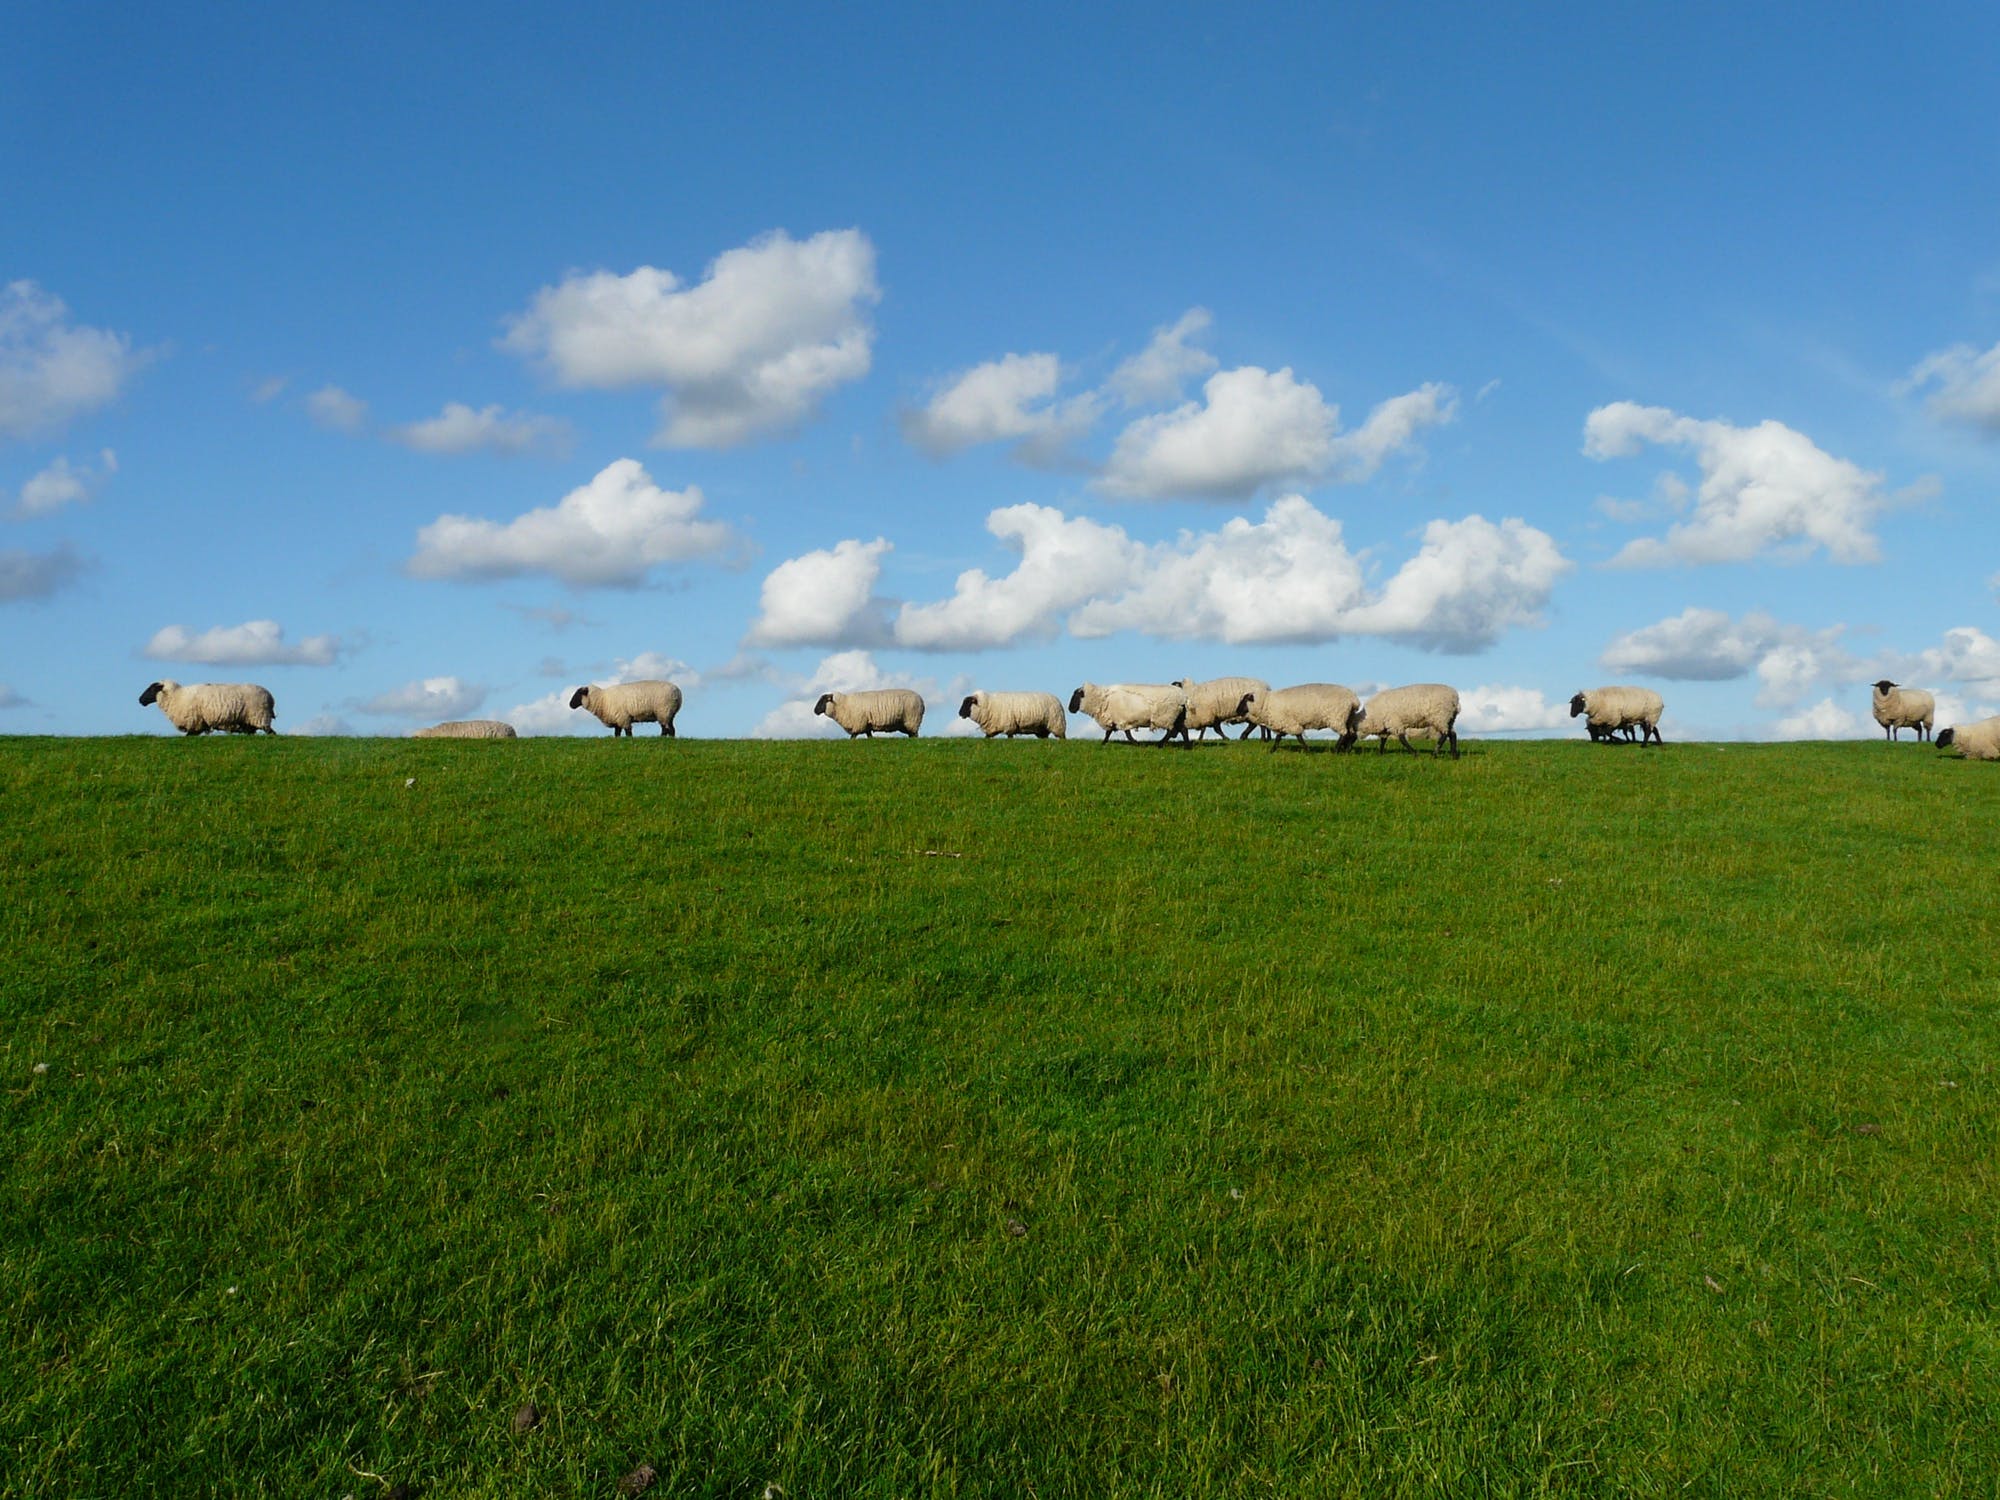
<point x="62" y="483"/>
<point x="824" y="597"/>
<point x="37" y="575"/>
<point x="1011" y="399"/>
<point x="1493" y="709"/>
<point x="609" y="532"/>
<point x="845" y="672"/>
<point x="326" y="724"/>
<point x="1825" y="720"/>
<point x="1159" y="373"/>
<point x="1286" y="578"/>
<point x="1967" y="386"/>
<point x="427" y="698"/>
<point x="1065" y="561"/>
<point x="254" y="643"/>
<point x="1763" y="488"/>
<point x="1255" y="428"/>
<point x="772" y="329"/>
<point x="460" y="429"/>
<point x="1967" y="654"/>
<point x="337" y="411"/>
<point x="269" y="389"/>
<point x="52" y="370"/>
<point x="1707" y="645"/>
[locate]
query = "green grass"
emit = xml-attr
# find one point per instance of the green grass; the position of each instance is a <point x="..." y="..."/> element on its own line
<point x="961" y="1119"/>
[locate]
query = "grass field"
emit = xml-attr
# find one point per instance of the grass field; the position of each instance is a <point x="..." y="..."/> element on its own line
<point x="983" y="1119"/>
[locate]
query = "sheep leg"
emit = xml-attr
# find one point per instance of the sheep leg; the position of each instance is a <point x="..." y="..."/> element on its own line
<point x="1405" y="738"/>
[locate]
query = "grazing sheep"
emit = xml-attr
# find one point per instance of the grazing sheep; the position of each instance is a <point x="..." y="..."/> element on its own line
<point x="1611" y="709"/>
<point x="467" y="729"/>
<point x="1128" y="706"/>
<point x="1976" y="741"/>
<point x="1039" y="714"/>
<point x="1218" y="702"/>
<point x="1311" y="705"/>
<point x="624" y="704"/>
<point x="886" y="709"/>
<point x="1904" y="708"/>
<point x="1421" y="706"/>
<point x="200" y="707"/>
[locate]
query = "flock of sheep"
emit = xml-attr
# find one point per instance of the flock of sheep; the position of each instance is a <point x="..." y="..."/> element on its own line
<point x="1181" y="708"/>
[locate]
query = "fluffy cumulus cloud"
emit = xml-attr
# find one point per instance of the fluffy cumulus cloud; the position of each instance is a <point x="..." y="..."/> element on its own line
<point x="52" y="370"/>
<point x="427" y="698"/>
<point x="1707" y="645"/>
<point x="1255" y="428"/>
<point x="753" y="348"/>
<point x="37" y="575"/>
<point x="1967" y="654"/>
<point x="255" y="643"/>
<point x="824" y="597"/>
<point x="1964" y="386"/>
<point x="460" y="429"/>
<point x="1288" y="577"/>
<point x="608" y="533"/>
<point x="336" y="410"/>
<point x="63" y="484"/>
<point x="1763" y="489"/>
<point x="1160" y="372"/>
<point x="1825" y="720"/>
<point x="1011" y="399"/>
<point x="1492" y="709"/>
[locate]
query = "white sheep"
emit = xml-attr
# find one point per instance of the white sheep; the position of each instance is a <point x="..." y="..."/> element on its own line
<point x="467" y="729"/>
<point x="886" y="709"/>
<point x="1310" y="705"/>
<point x="1128" y="706"/>
<point x="1217" y="702"/>
<point x="1422" y="706"/>
<point x="1039" y="714"/>
<point x="1904" y="708"/>
<point x="624" y="704"/>
<point x="1976" y="741"/>
<point x="202" y="707"/>
<point x="1610" y="709"/>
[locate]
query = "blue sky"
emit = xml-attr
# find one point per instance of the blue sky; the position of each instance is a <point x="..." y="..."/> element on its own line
<point x="425" y="366"/>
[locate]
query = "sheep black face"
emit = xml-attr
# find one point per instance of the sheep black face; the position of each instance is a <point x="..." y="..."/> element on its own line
<point x="1242" y="704"/>
<point x="1576" y="705"/>
<point x="576" y="698"/>
<point x="1884" y="685"/>
<point x="965" y="708"/>
<point x="1076" y="701"/>
<point x="825" y="702"/>
<point x="1945" y="738"/>
<point x="147" y="698"/>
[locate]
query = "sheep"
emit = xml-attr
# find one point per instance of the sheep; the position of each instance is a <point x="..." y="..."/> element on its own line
<point x="1217" y="702"/>
<point x="1134" y="705"/>
<point x="466" y="729"/>
<point x="1976" y="741"/>
<point x="1904" y="708"/>
<point x="1421" y="706"/>
<point x="199" y="707"/>
<point x="1311" y="705"/>
<point x="1611" y="709"/>
<point x="863" y="713"/>
<point x="624" y="704"/>
<point x="1039" y="714"/>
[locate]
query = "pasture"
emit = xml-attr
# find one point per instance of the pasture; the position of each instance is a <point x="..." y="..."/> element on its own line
<point x="946" y="1118"/>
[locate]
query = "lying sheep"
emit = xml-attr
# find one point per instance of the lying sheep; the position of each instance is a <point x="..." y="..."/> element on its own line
<point x="202" y="707"/>
<point x="1128" y="706"/>
<point x="1423" y="707"/>
<point x="1904" y="708"/>
<point x="1311" y="705"/>
<point x="1219" y="701"/>
<point x="1978" y="741"/>
<point x="624" y="704"/>
<point x="467" y="729"/>
<point x="1039" y="714"/>
<point x="1611" y="709"/>
<point x="886" y="709"/>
